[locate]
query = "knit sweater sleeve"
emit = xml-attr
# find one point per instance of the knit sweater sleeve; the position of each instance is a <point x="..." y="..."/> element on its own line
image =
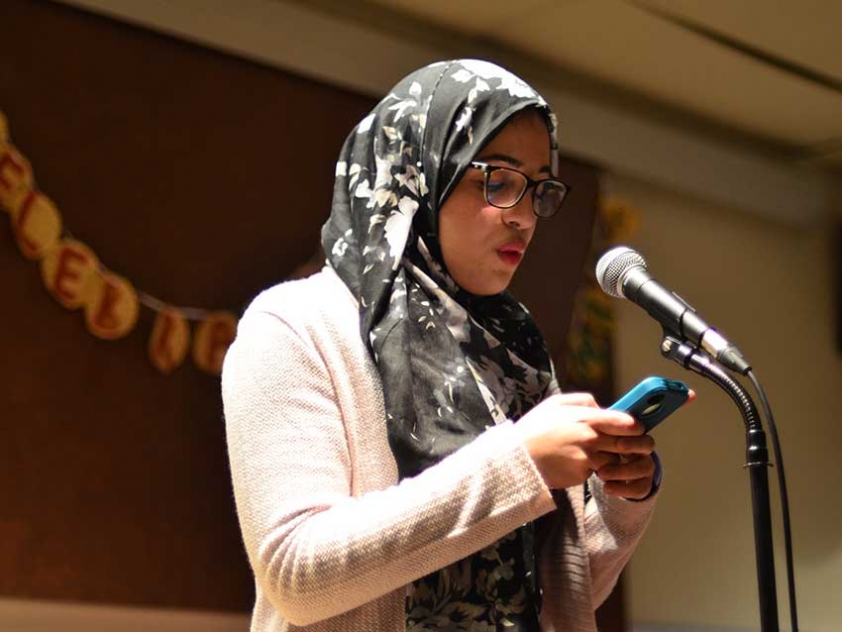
<point x="613" y="527"/>
<point x="316" y="547"/>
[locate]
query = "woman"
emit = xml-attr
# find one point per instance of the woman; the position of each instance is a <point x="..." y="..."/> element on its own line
<point x="381" y="480"/>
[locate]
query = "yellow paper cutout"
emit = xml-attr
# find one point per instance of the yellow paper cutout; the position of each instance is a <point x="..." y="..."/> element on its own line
<point x="213" y="336"/>
<point x="169" y="341"/>
<point x="15" y="177"/>
<point x="36" y="223"/>
<point x="67" y="271"/>
<point x="112" y="307"/>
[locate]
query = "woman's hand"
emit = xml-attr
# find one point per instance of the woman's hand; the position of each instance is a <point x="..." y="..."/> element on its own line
<point x="631" y="478"/>
<point x="569" y="437"/>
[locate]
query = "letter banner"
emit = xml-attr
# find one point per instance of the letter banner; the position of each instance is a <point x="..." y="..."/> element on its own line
<point x="74" y="276"/>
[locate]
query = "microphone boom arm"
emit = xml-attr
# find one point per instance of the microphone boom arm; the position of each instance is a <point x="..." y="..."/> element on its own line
<point x="757" y="458"/>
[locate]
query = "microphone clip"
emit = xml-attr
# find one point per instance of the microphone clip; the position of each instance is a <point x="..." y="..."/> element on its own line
<point x="688" y="357"/>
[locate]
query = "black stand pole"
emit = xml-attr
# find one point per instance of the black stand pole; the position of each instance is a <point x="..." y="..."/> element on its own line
<point x="757" y="464"/>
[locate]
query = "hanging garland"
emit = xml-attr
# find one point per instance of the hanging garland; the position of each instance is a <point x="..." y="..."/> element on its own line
<point x="74" y="276"/>
<point x="588" y="347"/>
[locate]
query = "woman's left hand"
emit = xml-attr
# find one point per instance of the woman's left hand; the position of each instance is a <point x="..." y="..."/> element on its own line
<point x="631" y="477"/>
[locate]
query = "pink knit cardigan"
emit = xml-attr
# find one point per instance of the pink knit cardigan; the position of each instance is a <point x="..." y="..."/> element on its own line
<point x="332" y="537"/>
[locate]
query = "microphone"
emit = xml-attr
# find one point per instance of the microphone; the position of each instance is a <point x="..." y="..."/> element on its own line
<point x="622" y="273"/>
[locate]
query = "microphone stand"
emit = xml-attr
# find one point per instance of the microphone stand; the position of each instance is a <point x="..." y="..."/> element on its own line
<point x="757" y="465"/>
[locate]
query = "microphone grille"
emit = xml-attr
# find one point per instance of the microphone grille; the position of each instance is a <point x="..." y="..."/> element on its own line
<point x="613" y="265"/>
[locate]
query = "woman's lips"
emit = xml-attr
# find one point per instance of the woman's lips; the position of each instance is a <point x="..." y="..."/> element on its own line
<point x="511" y="254"/>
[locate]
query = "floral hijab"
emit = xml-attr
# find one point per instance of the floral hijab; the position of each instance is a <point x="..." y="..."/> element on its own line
<point x="452" y="363"/>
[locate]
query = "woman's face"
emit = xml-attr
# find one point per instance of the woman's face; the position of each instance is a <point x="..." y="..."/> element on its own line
<point x="483" y="245"/>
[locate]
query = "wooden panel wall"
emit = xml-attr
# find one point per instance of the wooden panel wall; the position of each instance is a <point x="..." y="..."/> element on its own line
<point x="202" y="178"/>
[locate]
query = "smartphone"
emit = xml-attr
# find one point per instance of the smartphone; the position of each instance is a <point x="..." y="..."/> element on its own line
<point x="653" y="400"/>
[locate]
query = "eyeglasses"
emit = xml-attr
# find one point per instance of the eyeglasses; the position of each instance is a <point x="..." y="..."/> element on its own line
<point x="505" y="187"/>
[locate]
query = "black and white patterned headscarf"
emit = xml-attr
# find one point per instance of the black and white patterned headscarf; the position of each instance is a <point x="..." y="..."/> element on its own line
<point x="451" y="363"/>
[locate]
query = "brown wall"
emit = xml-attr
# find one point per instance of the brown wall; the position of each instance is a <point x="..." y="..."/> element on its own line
<point x="202" y="178"/>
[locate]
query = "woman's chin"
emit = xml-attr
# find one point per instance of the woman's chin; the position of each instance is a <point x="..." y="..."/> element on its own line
<point x="489" y="284"/>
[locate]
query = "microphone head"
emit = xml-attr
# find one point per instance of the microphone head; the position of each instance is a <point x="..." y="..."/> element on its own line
<point x="612" y="267"/>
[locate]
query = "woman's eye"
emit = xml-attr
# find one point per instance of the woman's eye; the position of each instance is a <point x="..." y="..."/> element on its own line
<point x="496" y="186"/>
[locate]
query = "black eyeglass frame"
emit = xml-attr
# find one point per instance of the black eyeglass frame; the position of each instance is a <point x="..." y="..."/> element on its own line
<point x="488" y="169"/>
